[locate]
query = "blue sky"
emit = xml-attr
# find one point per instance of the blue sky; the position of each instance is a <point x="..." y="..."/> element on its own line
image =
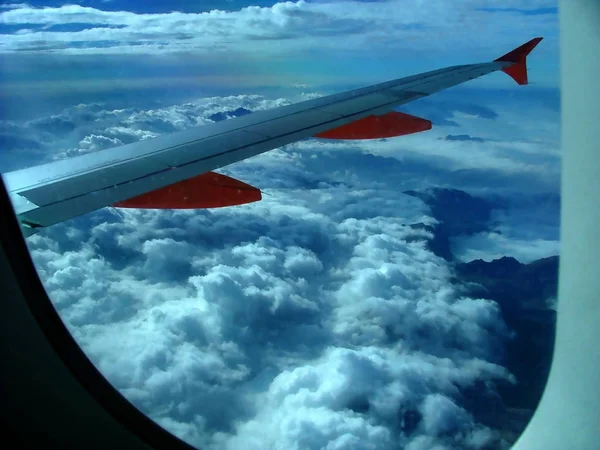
<point x="317" y="316"/>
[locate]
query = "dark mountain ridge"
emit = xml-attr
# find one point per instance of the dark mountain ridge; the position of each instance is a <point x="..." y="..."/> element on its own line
<point x="523" y="293"/>
<point x="224" y="115"/>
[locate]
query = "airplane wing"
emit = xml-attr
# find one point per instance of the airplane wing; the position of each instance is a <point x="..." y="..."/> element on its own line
<point x="174" y="171"/>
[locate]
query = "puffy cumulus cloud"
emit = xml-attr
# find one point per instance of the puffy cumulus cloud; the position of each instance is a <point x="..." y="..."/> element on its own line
<point x="274" y="338"/>
<point x="303" y="25"/>
<point x="363" y="398"/>
<point x="127" y="135"/>
<point x="85" y="128"/>
<point x="316" y="318"/>
<point x="94" y="142"/>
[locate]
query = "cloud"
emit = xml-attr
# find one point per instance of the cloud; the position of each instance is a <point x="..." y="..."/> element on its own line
<point x="327" y="404"/>
<point x="303" y="24"/>
<point x="89" y="127"/>
<point x="316" y="318"/>
<point x="94" y="142"/>
<point x="236" y="320"/>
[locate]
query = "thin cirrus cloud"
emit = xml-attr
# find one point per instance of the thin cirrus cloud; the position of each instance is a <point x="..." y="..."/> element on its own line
<point x="76" y="29"/>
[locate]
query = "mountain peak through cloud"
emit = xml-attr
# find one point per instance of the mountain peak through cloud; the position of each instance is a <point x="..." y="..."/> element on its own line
<point x="524" y="293"/>
<point x="460" y="212"/>
<point x="463" y="138"/>
<point x="223" y="115"/>
<point x="457" y="213"/>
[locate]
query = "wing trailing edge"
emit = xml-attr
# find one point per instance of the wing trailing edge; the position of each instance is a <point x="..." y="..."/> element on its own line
<point x="209" y="190"/>
<point x="518" y="56"/>
<point x="388" y="125"/>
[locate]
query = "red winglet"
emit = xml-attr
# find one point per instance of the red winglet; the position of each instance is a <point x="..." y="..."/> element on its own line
<point x="518" y="71"/>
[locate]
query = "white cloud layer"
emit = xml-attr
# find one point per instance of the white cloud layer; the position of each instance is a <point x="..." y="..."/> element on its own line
<point x="316" y="318"/>
<point x="283" y="27"/>
<point x="313" y="335"/>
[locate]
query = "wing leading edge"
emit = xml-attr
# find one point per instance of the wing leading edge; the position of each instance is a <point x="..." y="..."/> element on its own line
<point x="137" y="174"/>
